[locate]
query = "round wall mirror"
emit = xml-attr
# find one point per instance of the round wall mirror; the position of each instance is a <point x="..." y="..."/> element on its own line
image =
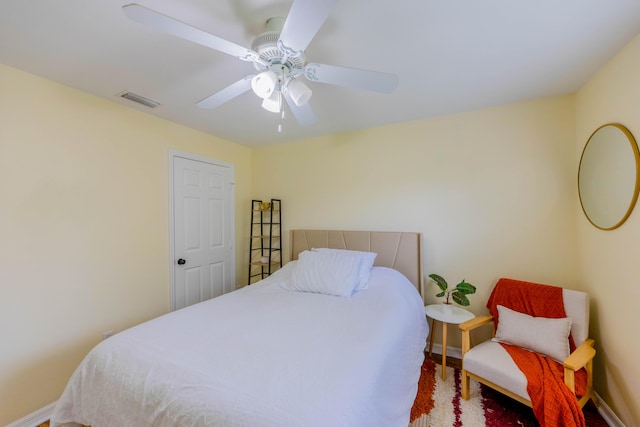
<point x="609" y="176"/>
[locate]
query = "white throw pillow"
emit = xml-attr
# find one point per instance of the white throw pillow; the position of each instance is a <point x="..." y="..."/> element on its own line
<point x="329" y="272"/>
<point x="543" y="335"/>
<point x="365" y="260"/>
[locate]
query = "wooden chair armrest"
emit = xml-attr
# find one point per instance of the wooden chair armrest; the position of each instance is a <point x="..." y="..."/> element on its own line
<point x="581" y="356"/>
<point x="467" y="327"/>
<point x="474" y="323"/>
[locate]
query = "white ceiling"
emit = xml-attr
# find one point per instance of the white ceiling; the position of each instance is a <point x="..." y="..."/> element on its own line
<point x="450" y="56"/>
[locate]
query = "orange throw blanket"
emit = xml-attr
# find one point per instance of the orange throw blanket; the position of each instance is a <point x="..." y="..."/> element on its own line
<point x="553" y="403"/>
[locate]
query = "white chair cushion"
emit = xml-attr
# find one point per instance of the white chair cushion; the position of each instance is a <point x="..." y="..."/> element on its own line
<point x="491" y="361"/>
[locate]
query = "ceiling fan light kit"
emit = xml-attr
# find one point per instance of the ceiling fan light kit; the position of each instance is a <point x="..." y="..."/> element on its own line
<point x="279" y="56"/>
<point x="264" y="84"/>
<point x="273" y="103"/>
<point x="300" y="92"/>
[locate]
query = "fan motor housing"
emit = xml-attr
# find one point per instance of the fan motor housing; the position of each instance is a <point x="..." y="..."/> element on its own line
<point x="266" y="45"/>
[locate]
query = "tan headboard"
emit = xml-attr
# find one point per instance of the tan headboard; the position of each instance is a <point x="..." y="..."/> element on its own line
<point x="397" y="250"/>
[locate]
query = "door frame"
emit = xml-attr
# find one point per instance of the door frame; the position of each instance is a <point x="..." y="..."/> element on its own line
<point x="172" y="265"/>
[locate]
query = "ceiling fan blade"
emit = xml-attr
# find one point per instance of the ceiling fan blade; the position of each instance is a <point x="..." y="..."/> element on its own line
<point x="226" y="94"/>
<point x="351" y="77"/>
<point x="303" y="114"/>
<point x="303" y="22"/>
<point x="172" y="26"/>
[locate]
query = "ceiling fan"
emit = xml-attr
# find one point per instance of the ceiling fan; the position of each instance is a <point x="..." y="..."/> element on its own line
<point x="279" y="57"/>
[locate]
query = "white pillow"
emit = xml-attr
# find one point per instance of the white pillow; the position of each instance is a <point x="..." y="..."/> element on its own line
<point x="328" y="272"/>
<point x="365" y="259"/>
<point x="543" y="335"/>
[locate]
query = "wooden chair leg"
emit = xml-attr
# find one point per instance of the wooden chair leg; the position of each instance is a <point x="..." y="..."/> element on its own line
<point x="464" y="384"/>
<point x="466" y="345"/>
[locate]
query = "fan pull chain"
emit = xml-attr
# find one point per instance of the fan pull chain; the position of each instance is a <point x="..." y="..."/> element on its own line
<point x="281" y="102"/>
<point x="281" y="112"/>
<point x="282" y="117"/>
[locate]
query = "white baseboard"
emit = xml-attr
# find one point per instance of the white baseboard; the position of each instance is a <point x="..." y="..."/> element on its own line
<point x="605" y="411"/>
<point x="35" y="418"/>
<point x="451" y="351"/>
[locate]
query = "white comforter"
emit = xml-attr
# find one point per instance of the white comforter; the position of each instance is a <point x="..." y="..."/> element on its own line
<point x="260" y="356"/>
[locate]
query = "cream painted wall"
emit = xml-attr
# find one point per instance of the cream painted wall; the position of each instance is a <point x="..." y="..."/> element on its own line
<point x="491" y="191"/>
<point x="84" y="219"/>
<point x="608" y="260"/>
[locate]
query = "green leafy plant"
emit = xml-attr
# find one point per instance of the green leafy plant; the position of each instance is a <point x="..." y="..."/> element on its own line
<point x="458" y="294"/>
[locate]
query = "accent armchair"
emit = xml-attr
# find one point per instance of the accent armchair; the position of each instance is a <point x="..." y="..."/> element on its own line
<point x="491" y="364"/>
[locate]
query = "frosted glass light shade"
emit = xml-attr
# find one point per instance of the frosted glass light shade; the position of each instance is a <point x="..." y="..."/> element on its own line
<point x="299" y="92"/>
<point x="264" y="84"/>
<point x="272" y="103"/>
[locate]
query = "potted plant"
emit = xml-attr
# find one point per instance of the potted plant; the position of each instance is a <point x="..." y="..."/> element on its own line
<point x="457" y="294"/>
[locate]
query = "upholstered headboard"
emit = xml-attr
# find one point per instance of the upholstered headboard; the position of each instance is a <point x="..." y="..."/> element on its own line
<point x="397" y="250"/>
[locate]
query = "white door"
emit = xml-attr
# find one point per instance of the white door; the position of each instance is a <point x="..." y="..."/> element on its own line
<point x="203" y="261"/>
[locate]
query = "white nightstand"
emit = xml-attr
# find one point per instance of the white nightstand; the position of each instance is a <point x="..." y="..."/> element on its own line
<point x="446" y="314"/>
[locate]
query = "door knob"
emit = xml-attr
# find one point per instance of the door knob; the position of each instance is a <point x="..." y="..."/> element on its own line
<point x="182" y="261"/>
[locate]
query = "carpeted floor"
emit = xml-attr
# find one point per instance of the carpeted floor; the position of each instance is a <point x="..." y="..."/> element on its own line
<point x="439" y="404"/>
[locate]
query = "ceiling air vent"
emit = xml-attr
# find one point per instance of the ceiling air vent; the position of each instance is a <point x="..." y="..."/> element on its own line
<point x="139" y="99"/>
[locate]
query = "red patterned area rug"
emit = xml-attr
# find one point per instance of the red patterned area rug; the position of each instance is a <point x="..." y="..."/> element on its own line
<point x="439" y="404"/>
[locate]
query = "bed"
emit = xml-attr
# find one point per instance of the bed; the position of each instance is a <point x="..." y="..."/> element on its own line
<point x="269" y="355"/>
